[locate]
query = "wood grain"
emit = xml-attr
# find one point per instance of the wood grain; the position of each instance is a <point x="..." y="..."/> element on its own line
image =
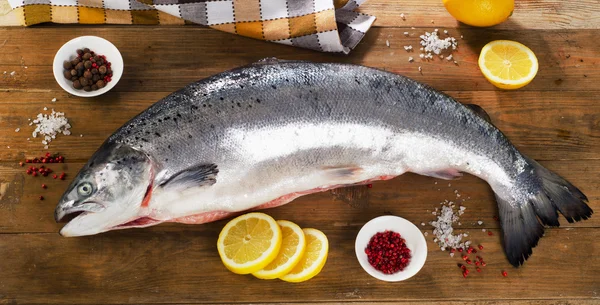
<point x="139" y="266"/>
<point x="168" y="58"/>
<point x="555" y="119"/>
<point x="537" y="14"/>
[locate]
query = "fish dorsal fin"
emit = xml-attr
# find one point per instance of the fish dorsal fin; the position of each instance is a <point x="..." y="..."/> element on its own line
<point x="357" y="196"/>
<point x="195" y="176"/>
<point x="479" y="111"/>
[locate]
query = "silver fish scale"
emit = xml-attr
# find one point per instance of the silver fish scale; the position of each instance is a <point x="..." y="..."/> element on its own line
<point x="189" y="126"/>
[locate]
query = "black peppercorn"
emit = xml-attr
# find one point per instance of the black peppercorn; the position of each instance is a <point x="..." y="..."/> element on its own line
<point x="88" y="71"/>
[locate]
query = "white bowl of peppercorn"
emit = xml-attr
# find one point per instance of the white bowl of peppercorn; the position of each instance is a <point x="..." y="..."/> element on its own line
<point x="87" y="66"/>
<point x="391" y="248"/>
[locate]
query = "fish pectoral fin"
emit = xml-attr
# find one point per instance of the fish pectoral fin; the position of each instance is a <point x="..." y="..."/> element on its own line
<point x="447" y="174"/>
<point x="479" y="111"/>
<point x="198" y="175"/>
<point x="356" y="196"/>
<point x="342" y="172"/>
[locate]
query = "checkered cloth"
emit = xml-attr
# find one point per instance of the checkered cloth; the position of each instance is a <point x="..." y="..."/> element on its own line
<point x="322" y="25"/>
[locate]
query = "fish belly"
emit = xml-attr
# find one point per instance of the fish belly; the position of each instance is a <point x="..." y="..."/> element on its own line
<point x="265" y="178"/>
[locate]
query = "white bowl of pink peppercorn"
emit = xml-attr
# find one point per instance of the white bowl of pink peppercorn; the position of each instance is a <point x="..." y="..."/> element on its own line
<point x="400" y="237"/>
<point x="111" y="59"/>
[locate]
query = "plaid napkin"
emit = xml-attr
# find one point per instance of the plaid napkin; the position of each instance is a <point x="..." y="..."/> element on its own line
<point x="322" y="25"/>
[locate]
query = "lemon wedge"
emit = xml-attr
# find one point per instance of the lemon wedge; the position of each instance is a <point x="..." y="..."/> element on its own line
<point x="292" y="249"/>
<point x="508" y="64"/>
<point x="249" y="242"/>
<point x="313" y="260"/>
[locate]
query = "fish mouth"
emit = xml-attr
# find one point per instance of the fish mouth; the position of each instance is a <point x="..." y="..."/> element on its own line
<point x="68" y="211"/>
<point x="70" y="216"/>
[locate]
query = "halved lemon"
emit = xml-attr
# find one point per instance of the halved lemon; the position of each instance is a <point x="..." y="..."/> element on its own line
<point x="508" y="64"/>
<point x="314" y="257"/>
<point x="249" y="243"/>
<point x="480" y="13"/>
<point x="292" y="249"/>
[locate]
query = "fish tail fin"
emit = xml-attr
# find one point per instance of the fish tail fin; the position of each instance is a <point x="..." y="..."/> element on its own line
<point x="546" y="194"/>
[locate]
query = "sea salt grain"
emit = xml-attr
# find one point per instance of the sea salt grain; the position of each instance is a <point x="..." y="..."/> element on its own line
<point x="54" y="100"/>
<point x="18" y="129"/>
<point x="405" y="33"/>
<point x="410" y="59"/>
<point x="50" y="125"/>
<point x="387" y="43"/>
<point x="433" y="44"/>
<point x="444" y="230"/>
<point x="479" y="222"/>
<point x="402" y="16"/>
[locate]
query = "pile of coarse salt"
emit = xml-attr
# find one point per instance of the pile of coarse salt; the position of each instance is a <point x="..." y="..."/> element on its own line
<point x="50" y="125"/>
<point x="432" y="44"/>
<point x="444" y="229"/>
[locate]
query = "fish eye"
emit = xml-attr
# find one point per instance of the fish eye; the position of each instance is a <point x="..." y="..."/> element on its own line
<point x="85" y="189"/>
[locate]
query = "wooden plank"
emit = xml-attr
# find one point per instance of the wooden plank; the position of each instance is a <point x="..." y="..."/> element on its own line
<point x="536" y="14"/>
<point x="139" y="266"/>
<point x="168" y="58"/>
<point x="544" y="125"/>
<point x="410" y="196"/>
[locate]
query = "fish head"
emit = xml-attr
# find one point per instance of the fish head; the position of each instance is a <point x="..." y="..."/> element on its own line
<point x="107" y="193"/>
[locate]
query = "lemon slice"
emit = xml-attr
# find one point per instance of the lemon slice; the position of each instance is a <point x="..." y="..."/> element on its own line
<point x="292" y="249"/>
<point x="250" y="242"/>
<point x="508" y="64"/>
<point x="314" y="257"/>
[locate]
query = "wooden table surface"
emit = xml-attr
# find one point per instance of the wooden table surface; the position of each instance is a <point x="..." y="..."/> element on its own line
<point x="555" y="119"/>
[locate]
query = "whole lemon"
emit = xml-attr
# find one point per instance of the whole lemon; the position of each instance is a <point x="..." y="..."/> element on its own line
<point x="480" y="12"/>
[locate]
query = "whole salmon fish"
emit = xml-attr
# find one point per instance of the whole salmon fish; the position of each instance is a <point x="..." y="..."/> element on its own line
<point x="262" y="135"/>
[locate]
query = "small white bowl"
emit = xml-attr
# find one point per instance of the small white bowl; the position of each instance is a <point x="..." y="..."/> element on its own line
<point x="415" y="241"/>
<point x="99" y="46"/>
